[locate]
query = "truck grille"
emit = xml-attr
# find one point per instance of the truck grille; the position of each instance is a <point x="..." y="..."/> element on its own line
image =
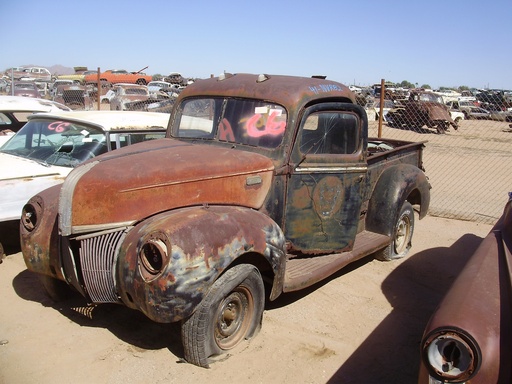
<point x="97" y="258"/>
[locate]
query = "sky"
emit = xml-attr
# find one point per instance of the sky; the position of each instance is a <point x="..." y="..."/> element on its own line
<point x="440" y="43"/>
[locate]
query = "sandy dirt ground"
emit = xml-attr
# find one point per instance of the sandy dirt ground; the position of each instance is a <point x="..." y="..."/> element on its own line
<point x="363" y="325"/>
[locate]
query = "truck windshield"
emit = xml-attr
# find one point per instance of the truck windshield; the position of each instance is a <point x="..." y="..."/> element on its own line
<point x="241" y="121"/>
<point x="54" y="142"/>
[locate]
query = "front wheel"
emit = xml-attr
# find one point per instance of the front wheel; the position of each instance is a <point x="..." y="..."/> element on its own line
<point x="231" y="311"/>
<point x="401" y="236"/>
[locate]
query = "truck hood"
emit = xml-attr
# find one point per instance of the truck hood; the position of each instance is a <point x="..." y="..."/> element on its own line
<point x="125" y="186"/>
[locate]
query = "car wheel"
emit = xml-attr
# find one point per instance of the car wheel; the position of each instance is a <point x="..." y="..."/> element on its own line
<point x="401" y="236"/>
<point x="231" y="312"/>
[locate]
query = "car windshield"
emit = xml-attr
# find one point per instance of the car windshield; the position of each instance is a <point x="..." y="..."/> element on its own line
<point x="54" y="142"/>
<point x="242" y="121"/>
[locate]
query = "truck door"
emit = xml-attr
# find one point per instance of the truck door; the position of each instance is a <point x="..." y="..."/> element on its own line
<point x="328" y="178"/>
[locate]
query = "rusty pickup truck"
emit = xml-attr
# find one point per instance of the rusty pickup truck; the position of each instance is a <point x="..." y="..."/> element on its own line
<point x="262" y="181"/>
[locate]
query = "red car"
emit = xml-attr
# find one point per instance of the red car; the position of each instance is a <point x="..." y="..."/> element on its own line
<point x="468" y="337"/>
<point x="115" y="76"/>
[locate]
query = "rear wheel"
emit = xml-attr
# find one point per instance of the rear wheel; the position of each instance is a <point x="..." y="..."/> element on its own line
<point x="401" y="236"/>
<point x="231" y="311"/>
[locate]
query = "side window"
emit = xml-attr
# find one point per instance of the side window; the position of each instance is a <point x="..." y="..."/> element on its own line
<point x="330" y="133"/>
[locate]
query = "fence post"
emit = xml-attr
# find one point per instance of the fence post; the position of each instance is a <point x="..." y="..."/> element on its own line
<point x="381" y="106"/>
<point x="98" y="85"/>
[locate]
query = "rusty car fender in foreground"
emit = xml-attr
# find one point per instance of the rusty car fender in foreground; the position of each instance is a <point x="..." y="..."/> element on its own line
<point x="468" y="337"/>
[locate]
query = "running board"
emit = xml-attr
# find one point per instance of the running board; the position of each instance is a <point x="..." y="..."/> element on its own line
<point x="304" y="272"/>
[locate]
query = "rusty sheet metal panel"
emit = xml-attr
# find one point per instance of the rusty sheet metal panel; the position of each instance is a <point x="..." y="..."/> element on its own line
<point x="196" y="256"/>
<point x="159" y="176"/>
<point x="291" y="92"/>
<point x="323" y="211"/>
<point x="439" y="112"/>
<point x="40" y="245"/>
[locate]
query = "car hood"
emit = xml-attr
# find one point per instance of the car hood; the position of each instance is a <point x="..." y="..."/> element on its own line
<point x="15" y="167"/>
<point x="20" y="179"/>
<point x="125" y="186"/>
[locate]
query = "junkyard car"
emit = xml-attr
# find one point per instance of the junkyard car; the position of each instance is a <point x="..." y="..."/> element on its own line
<point x="36" y="74"/>
<point x="23" y="88"/>
<point x="53" y="86"/>
<point x="115" y="76"/>
<point x="14" y="111"/>
<point x="50" y="145"/>
<point x="127" y="93"/>
<point x="260" y="178"/>
<point x="155" y="86"/>
<point x="477" y="113"/>
<point x="74" y="96"/>
<point x="422" y="108"/>
<point x="468" y="338"/>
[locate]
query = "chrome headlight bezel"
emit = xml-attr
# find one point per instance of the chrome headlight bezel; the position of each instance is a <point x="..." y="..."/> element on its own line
<point x="153" y="255"/>
<point x="451" y="355"/>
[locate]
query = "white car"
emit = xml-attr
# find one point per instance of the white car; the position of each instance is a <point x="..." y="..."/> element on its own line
<point x="127" y="93"/>
<point x="14" y="111"/>
<point x="50" y="145"/>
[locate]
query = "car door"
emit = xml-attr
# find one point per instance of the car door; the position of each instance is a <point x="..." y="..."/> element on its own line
<point x="327" y="179"/>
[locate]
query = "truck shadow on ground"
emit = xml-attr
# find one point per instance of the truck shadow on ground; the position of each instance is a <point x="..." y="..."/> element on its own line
<point x="391" y="353"/>
<point x="129" y="325"/>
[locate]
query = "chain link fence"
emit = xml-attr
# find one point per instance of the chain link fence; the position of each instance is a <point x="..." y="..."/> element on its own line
<point x="468" y="138"/>
<point x="468" y="148"/>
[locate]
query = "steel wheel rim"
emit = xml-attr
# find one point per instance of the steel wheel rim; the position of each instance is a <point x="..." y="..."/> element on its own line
<point x="234" y="318"/>
<point x="402" y="234"/>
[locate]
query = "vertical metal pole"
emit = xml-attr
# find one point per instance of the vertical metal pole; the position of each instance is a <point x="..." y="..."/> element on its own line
<point x="98" y="85"/>
<point x="381" y="106"/>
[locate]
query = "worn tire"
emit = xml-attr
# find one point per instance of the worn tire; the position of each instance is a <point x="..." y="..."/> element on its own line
<point x="57" y="290"/>
<point x="231" y="311"/>
<point x="401" y="236"/>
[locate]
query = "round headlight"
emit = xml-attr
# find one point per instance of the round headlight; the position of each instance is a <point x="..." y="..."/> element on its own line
<point x="451" y="356"/>
<point x="31" y="213"/>
<point x="153" y="255"/>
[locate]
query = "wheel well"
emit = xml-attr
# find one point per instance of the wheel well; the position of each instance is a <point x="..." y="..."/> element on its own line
<point x="260" y="262"/>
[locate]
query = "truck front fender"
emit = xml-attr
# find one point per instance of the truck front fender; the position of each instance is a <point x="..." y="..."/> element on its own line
<point x="198" y="244"/>
<point x="396" y="185"/>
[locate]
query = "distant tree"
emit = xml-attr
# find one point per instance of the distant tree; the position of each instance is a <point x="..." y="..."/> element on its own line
<point x="463" y="88"/>
<point x="406" y="84"/>
<point x="426" y="86"/>
<point x="157" y="77"/>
